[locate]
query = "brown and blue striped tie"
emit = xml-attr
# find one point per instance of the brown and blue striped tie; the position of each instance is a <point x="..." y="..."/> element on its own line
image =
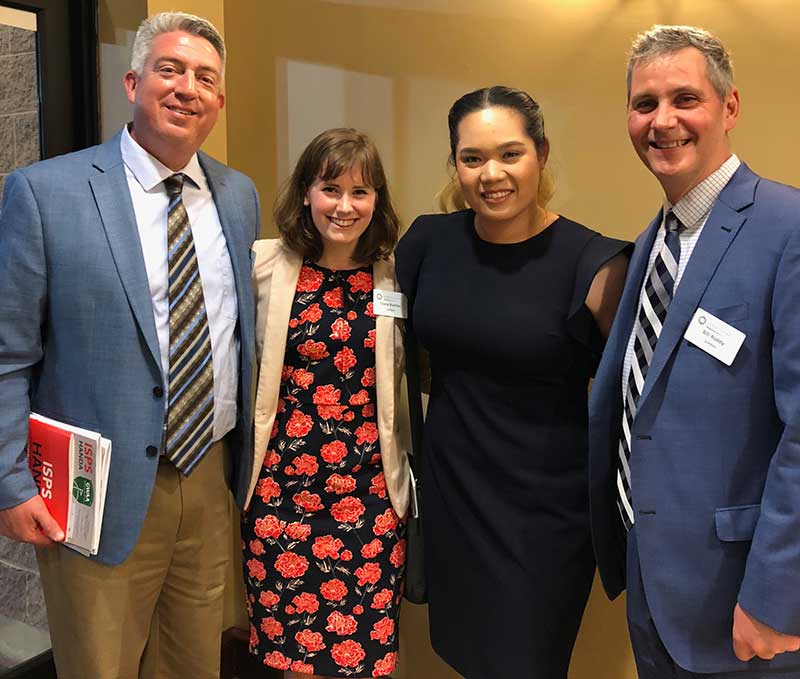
<point x="190" y="410"/>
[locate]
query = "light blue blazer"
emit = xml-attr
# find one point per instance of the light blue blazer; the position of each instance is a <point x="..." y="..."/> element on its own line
<point x="715" y="459"/>
<point x="77" y="335"/>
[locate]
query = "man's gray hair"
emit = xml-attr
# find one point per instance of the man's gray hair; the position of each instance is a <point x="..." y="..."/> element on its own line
<point x="661" y="40"/>
<point x="168" y="22"/>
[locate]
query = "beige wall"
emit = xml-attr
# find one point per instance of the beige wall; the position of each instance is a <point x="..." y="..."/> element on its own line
<point x="393" y="67"/>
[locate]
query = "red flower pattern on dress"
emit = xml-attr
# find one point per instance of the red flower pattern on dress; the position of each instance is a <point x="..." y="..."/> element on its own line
<point x="334" y="298"/>
<point x="361" y="281"/>
<point x="271" y="627"/>
<point x="314" y="351"/>
<point x="340" y="330"/>
<point x="343" y="625"/>
<point x="348" y="509"/>
<point x="309" y="502"/>
<point x="369" y="573"/>
<point x="311" y="314"/>
<point x="348" y="653"/>
<point x="360" y="398"/>
<point x="368" y="379"/>
<point x="256" y="569"/>
<point x="269" y="527"/>
<point x="327" y="547"/>
<point x="382" y="630"/>
<point x="298" y="531"/>
<point x="378" y="486"/>
<point x="317" y="460"/>
<point x="336" y="483"/>
<point x="299" y="424"/>
<point x="385" y="666"/>
<point x="309" y="280"/>
<point x="291" y="565"/>
<point x="303" y="378"/>
<point x="327" y="394"/>
<point x="311" y="641"/>
<point x="268" y="599"/>
<point x="302" y="667"/>
<point x="306" y="603"/>
<point x="305" y="464"/>
<point x="267" y="489"/>
<point x="333" y="452"/>
<point x="372" y="549"/>
<point x="367" y="433"/>
<point x="382" y="599"/>
<point x="277" y="660"/>
<point x="333" y="590"/>
<point x="385" y="522"/>
<point x="344" y="359"/>
<point x="398" y="556"/>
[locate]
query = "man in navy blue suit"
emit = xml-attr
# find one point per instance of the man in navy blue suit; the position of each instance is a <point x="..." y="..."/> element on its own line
<point x="126" y="308"/>
<point x="695" y="409"/>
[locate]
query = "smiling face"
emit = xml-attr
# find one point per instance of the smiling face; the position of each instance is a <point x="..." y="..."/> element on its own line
<point x="341" y="209"/>
<point x="177" y="97"/>
<point x="677" y="122"/>
<point x="498" y="166"/>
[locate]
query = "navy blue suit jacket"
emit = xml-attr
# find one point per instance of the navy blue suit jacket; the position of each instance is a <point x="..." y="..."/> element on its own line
<point x="78" y="339"/>
<point x="715" y="459"/>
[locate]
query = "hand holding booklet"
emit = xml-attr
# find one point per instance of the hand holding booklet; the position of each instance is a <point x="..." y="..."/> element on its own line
<point x="70" y="468"/>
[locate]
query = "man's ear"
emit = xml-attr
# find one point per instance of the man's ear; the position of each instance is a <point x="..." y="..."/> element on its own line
<point x="732" y="107"/>
<point x="129" y="81"/>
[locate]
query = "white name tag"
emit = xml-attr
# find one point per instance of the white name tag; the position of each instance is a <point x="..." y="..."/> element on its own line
<point x="714" y="336"/>
<point x="389" y="303"/>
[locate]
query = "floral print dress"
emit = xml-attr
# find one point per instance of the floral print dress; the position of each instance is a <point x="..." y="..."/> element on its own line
<point x="324" y="550"/>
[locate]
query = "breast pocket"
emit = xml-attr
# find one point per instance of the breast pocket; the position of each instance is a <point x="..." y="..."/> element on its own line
<point x="730" y="314"/>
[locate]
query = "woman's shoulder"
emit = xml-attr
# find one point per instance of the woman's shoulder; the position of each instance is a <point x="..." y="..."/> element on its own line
<point x="267" y="252"/>
<point x="586" y="239"/>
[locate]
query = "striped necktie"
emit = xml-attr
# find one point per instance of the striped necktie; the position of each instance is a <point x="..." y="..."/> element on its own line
<point x="190" y="410"/>
<point x="652" y="312"/>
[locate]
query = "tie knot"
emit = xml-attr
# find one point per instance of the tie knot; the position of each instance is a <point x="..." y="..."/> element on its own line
<point x="174" y="184"/>
<point x="673" y="224"/>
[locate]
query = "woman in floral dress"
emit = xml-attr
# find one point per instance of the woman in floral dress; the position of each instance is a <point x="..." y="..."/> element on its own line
<point x="323" y="543"/>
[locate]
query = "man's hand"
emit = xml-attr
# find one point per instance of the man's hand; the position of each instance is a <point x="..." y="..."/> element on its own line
<point x="752" y="638"/>
<point x="30" y="522"/>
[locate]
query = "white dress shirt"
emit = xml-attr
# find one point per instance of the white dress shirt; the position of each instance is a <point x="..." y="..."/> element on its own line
<point x="145" y="176"/>
<point x="692" y="210"/>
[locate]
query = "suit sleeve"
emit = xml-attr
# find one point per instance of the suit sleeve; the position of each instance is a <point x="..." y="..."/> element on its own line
<point x="770" y="590"/>
<point x="23" y="289"/>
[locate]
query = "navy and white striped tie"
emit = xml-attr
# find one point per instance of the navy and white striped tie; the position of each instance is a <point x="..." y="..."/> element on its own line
<point x="657" y="296"/>
<point x="190" y="409"/>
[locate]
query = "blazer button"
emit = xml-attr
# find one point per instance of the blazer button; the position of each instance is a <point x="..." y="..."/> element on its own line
<point x="151" y="451"/>
<point x="158" y="392"/>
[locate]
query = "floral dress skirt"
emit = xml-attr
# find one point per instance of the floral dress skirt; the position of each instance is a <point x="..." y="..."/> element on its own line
<point x="324" y="551"/>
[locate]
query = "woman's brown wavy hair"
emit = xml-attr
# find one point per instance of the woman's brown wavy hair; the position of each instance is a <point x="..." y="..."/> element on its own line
<point x="330" y="154"/>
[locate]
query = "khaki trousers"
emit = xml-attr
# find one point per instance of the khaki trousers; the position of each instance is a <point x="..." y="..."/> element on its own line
<point x="157" y="615"/>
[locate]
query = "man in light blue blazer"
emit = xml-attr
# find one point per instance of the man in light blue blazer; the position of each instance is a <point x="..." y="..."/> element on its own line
<point x="88" y="337"/>
<point x="695" y="409"/>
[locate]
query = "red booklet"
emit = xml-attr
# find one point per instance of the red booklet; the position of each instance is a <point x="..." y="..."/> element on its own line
<point x="49" y="450"/>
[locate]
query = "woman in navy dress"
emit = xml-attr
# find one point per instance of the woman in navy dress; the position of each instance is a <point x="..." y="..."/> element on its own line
<point x="512" y="303"/>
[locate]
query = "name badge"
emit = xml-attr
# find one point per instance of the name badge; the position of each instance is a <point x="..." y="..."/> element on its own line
<point x="389" y="303"/>
<point x="714" y="336"/>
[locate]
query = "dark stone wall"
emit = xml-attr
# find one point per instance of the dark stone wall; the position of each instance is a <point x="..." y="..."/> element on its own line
<point x="19" y="104"/>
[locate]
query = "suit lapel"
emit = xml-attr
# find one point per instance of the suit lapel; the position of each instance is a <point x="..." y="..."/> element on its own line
<point x="385" y="328"/>
<point x="113" y="198"/>
<point x="718" y="233"/>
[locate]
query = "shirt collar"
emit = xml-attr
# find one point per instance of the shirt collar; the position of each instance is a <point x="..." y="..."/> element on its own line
<point x="148" y="170"/>
<point x="692" y="208"/>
